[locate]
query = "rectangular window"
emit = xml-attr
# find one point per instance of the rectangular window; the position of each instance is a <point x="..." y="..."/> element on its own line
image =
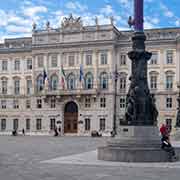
<point x="4" y="86"/>
<point x="3" y="124"/>
<point x="29" y="86"/>
<point x="169" y="57"/>
<point x="38" y="124"/>
<point x="16" y="104"/>
<point x="169" y="82"/>
<point x="28" y="124"/>
<point x="122" y="102"/>
<point x="88" y="59"/>
<point x="102" y="124"/>
<point x="15" y="124"/>
<point x="71" y="60"/>
<point x="40" y="60"/>
<point x="154" y="58"/>
<point x="104" y="58"/>
<point x="87" y="102"/>
<point x="29" y="64"/>
<point x="39" y="103"/>
<point x="122" y="59"/>
<point x="153" y="82"/>
<point x="103" y="102"/>
<point x="28" y="103"/>
<point x="17" y="87"/>
<point x="53" y="103"/>
<point x="3" y="104"/>
<point x="123" y="84"/>
<point x="168" y="102"/>
<point x="87" y="124"/>
<point x="52" y="124"/>
<point x="4" y="65"/>
<point x="54" y="60"/>
<point x="17" y="65"/>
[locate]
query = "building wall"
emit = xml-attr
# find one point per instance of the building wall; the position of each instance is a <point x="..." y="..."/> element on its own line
<point x="78" y="43"/>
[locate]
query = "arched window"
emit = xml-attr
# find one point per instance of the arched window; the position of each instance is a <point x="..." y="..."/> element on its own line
<point x="39" y="83"/>
<point x="71" y="81"/>
<point x="104" y="80"/>
<point x="54" y="82"/>
<point x="89" y="81"/>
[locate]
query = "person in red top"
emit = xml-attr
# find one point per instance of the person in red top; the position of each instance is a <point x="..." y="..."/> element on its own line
<point x="163" y="130"/>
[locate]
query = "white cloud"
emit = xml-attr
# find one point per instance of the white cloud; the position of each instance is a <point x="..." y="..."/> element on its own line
<point x="107" y="10"/>
<point x="4" y="18"/>
<point x="17" y="29"/>
<point x="177" y="23"/>
<point x="33" y="10"/>
<point x="76" y="6"/>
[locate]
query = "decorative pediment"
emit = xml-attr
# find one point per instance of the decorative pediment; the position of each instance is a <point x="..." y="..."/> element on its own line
<point x="71" y="24"/>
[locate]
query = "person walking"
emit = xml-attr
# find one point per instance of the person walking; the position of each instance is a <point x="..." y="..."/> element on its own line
<point x="23" y="132"/>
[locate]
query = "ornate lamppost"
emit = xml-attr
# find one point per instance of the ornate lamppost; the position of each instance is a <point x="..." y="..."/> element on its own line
<point x="178" y="108"/>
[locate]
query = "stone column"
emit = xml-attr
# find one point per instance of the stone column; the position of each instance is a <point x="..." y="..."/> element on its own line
<point x="96" y="65"/>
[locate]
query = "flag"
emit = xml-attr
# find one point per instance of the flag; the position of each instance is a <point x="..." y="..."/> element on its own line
<point x="81" y="74"/>
<point x="63" y="77"/>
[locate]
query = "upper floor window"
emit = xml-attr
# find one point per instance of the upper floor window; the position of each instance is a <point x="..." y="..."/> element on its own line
<point x="154" y="58"/>
<point x="28" y="103"/>
<point x="88" y="59"/>
<point x="3" y="104"/>
<point x="54" y="82"/>
<point x="103" y="102"/>
<point x="39" y="83"/>
<point x="88" y="81"/>
<point x="122" y="59"/>
<point x="153" y="81"/>
<point x="87" y="102"/>
<point x="104" y="80"/>
<point x="169" y="57"/>
<point x="16" y="86"/>
<point x="169" y="102"/>
<point x="39" y="103"/>
<point x="71" y="81"/>
<point x="122" y="82"/>
<point x="17" y="65"/>
<point x="104" y="58"/>
<point x="29" y="64"/>
<point x="40" y="61"/>
<point x="169" y="81"/>
<point x="53" y="103"/>
<point x="4" y="85"/>
<point x="4" y="65"/>
<point x="16" y="104"/>
<point x="29" y="86"/>
<point x="71" y="60"/>
<point x="54" y="60"/>
<point x="122" y="102"/>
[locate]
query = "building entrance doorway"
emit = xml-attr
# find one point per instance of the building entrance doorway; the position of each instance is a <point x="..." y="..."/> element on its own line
<point x="71" y="117"/>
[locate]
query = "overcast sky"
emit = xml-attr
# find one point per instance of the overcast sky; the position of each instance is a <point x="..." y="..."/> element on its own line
<point x="17" y="16"/>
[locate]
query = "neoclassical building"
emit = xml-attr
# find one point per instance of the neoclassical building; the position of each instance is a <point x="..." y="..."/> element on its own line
<point x="98" y="101"/>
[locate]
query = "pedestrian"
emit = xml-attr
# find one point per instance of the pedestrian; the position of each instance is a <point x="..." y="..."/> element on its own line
<point x="55" y="131"/>
<point x="163" y="130"/>
<point x="166" y="146"/>
<point x="59" y="129"/>
<point x="23" y="132"/>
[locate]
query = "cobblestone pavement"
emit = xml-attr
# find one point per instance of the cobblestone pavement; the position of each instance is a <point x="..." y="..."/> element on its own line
<point x="24" y="158"/>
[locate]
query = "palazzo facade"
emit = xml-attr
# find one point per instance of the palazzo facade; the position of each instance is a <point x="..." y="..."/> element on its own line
<point x="98" y="101"/>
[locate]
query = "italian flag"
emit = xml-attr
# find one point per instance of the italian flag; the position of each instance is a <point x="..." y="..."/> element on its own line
<point x="63" y="77"/>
